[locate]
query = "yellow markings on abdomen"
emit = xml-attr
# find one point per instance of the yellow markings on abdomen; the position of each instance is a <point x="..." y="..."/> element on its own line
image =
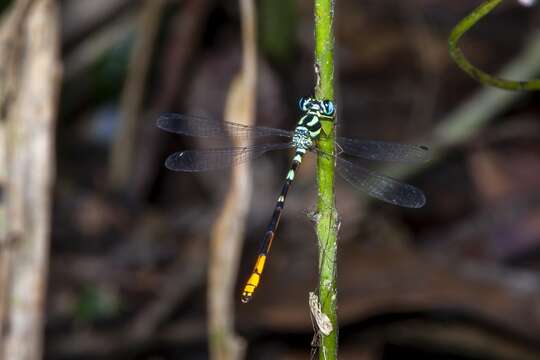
<point x="259" y="265"/>
<point x="254" y="279"/>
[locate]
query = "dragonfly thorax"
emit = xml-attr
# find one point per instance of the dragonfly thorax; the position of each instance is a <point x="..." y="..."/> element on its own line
<point x="312" y="123"/>
<point x="302" y="138"/>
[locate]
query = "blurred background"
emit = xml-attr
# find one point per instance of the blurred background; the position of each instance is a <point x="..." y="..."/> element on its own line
<point x="456" y="279"/>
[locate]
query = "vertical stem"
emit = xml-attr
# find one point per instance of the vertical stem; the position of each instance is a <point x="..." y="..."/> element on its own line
<point x="228" y="232"/>
<point x="123" y="148"/>
<point x="327" y="214"/>
<point x="31" y="40"/>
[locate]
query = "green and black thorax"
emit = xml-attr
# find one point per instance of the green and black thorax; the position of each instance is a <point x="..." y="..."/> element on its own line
<point x="309" y="127"/>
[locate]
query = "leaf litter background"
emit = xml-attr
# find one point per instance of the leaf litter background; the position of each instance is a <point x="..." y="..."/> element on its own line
<point x="456" y="279"/>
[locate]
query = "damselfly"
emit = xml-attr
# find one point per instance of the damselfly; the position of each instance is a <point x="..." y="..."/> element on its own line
<point x="303" y="138"/>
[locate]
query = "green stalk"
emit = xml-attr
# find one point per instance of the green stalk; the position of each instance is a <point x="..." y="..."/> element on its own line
<point x="477" y="74"/>
<point x="327" y="214"/>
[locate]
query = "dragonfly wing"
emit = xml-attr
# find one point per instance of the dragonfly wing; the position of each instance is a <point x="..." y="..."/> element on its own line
<point x="379" y="186"/>
<point x="383" y="151"/>
<point x="213" y="159"/>
<point x="204" y="127"/>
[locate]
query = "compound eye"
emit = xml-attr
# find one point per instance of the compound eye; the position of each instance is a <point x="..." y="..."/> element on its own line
<point x="302" y="104"/>
<point x="328" y="108"/>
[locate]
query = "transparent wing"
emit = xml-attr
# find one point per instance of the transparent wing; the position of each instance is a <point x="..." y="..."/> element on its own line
<point x="379" y="186"/>
<point x="204" y="127"/>
<point x="202" y="160"/>
<point x="383" y="151"/>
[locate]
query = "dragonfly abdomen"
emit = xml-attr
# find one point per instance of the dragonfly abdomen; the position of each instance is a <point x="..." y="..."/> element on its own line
<point x="255" y="277"/>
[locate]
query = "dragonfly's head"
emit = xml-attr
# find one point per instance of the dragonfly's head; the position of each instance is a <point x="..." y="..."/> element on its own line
<point x="322" y="108"/>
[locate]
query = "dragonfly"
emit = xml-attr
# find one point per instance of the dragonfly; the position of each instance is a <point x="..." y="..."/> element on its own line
<point x="302" y="139"/>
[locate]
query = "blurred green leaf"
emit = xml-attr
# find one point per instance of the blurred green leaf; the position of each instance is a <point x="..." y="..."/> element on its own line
<point x="4" y="4"/>
<point x="110" y="71"/>
<point x="96" y="303"/>
<point x="277" y="29"/>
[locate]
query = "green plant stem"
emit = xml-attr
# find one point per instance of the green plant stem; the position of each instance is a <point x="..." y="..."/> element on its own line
<point x="460" y="59"/>
<point x="327" y="214"/>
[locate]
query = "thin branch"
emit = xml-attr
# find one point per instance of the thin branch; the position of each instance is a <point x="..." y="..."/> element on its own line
<point x="476" y="112"/>
<point x="228" y="232"/>
<point x="459" y="30"/>
<point x="123" y="148"/>
<point x="181" y="41"/>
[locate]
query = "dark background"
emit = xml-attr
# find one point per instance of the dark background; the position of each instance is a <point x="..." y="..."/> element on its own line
<point x="457" y="279"/>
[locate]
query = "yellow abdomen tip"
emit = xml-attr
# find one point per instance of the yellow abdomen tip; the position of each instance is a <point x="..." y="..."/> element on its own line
<point x="245" y="298"/>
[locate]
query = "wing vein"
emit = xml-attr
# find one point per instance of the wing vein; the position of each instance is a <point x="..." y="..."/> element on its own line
<point x="213" y="159"/>
<point x="203" y="127"/>
<point x="383" y="150"/>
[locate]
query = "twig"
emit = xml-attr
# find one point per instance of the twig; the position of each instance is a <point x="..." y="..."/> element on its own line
<point x="82" y="21"/>
<point x="181" y="42"/>
<point x="79" y="58"/>
<point x="104" y="344"/>
<point x="459" y="30"/>
<point x="229" y="230"/>
<point x="30" y="112"/>
<point x="327" y="226"/>
<point x="137" y="334"/>
<point x="183" y="38"/>
<point x="469" y="118"/>
<point x="123" y="148"/>
<point x="185" y="277"/>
